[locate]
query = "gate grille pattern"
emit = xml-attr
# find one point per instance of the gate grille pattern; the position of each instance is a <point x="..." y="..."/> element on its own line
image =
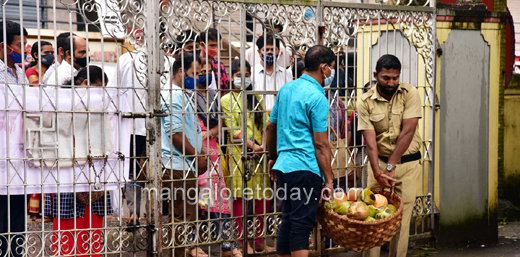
<point x="64" y="139"/>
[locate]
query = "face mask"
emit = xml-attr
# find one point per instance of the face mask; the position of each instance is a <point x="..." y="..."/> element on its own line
<point x="328" y="81"/>
<point x="16" y="57"/>
<point x="387" y="90"/>
<point x="197" y="53"/>
<point x="204" y="78"/>
<point x="212" y="52"/>
<point x="238" y="83"/>
<point x="82" y="62"/>
<point x="47" y="60"/>
<point x="190" y="82"/>
<point x="268" y="59"/>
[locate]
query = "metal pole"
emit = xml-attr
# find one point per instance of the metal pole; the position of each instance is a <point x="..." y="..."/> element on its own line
<point x="244" y="110"/>
<point x="153" y="136"/>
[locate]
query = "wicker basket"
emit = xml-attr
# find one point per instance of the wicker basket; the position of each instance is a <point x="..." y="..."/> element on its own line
<point x="360" y="235"/>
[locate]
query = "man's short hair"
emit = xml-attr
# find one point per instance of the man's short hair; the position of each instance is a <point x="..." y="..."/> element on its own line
<point x="317" y="55"/>
<point x="269" y="38"/>
<point x="12" y="29"/>
<point x="187" y="36"/>
<point x="388" y="61"/>
<point x="187" y="58"/>
<point x="63" y="41"/>
<point x="95" y="74"/>
<point x="212" y="33"/>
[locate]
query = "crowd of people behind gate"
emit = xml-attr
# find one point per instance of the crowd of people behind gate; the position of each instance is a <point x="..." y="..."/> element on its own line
<point x="202" y="138"/>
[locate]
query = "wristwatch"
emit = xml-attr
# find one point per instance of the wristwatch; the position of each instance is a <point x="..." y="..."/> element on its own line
<point x="390" y="167"/>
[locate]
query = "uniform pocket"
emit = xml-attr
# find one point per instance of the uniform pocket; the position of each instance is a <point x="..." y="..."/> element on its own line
<point x="379" y="121"/>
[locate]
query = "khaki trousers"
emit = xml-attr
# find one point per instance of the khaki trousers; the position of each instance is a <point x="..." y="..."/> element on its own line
<point x="184" y="207"/>
<point x="408" y="178"/>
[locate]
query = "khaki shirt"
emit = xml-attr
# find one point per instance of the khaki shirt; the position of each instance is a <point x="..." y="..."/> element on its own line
<point x="386" y="117"/>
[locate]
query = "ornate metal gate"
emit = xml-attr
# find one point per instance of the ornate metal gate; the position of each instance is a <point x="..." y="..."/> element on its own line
<point x="65" y="138"/>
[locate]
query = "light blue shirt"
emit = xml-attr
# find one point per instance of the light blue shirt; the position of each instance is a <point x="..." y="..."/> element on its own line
<point x="19" y="78"/>
<point x="181" y="118"/>
<point x="301" y="108"/>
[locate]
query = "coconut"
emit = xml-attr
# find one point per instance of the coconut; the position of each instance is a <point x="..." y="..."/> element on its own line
<point x="380" y="201"/>
<point x="340" y="197"/>
<point x="384" y="214"/>
<point x="373" y="211"/>
<point x="342" y="208"/>
<point x="369" y="219"/>
<point x="392" y="207"/>
<point x="353" y="193"/>
<point x="358" y="211"/>
<point x="367" y="196"/>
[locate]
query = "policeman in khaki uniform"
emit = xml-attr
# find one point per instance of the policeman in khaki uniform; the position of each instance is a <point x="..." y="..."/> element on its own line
<point x="388" y="118"/>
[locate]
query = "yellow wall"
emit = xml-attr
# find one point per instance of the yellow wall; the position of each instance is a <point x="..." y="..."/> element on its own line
<point x="365" y="41"/>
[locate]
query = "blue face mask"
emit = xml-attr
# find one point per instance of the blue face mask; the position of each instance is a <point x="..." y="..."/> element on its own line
<point x="197" y="52"/>
<point x="204" y="78"/>
<point x="47" y="60"/>
<point x="190" y="83"/>
<point x="238" y="83"/>
<point x="328" y="81"/>
<point x="268" y="59"/>
<point x="16" y="57"/>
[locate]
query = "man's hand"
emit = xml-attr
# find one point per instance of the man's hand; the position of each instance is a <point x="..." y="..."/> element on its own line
<point x="385" y="181"/>
<point x="327" y="192"/>
<point x="202" y="162"/>
<point x="272" y="173"/>
<point x="204" y="135"/>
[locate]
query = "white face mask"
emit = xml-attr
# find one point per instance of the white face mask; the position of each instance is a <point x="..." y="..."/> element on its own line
<point x="328" y="80"/>
<point x="238" y="82"/>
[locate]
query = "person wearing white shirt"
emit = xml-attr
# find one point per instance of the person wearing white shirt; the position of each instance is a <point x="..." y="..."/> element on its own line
<point x="78" y="59"/>
<point x="12" y="206"/>
<point x="284" y="56"/>
<point x="267" y="75"/>
<point x="61" y="40"/>
<point x="127" y="78"/>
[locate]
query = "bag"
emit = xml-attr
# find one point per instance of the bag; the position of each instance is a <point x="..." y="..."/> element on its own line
<point x="83" y="197"/>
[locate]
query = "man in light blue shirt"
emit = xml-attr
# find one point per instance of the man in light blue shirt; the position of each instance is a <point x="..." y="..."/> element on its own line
<point x="183" y="156"/>
<point x="299" y="151"/>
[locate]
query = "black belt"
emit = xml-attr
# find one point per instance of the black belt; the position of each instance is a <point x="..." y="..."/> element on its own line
<point x="405" y="158"/>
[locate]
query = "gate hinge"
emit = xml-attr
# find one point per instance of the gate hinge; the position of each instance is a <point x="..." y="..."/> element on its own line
<point x="143" y="115"/>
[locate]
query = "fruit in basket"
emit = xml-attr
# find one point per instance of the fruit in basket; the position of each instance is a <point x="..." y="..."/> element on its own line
<point x="367" y="196"/>
<point x="327" y="205"/>
<point x="380" y="201"/>
<point x="358" y="211"/>
<point x="340" y="197"/>
<point x="353" y="193"/>
<point x="373" y="211"/>
<point x="369" y="219"/>
<point x="387" y="212"/>
<point x="342" y="208"/>
<point x="392" y="207"/>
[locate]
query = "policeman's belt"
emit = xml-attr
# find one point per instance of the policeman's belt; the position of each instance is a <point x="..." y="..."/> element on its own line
<point x="405" y="158"/>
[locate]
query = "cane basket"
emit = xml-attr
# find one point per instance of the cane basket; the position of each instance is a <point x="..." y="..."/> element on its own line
<point x="359" y="235"/>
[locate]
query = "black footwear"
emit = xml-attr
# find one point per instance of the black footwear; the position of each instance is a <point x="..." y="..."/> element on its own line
<point x="131" y="227"/>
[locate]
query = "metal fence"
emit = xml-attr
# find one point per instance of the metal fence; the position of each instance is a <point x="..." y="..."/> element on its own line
<point x="78" y="135"/>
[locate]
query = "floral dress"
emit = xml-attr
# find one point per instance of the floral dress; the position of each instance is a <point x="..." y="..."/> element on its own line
<point x="233" y="120"/>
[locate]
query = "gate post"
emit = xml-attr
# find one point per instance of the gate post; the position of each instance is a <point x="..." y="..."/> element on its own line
<point x="154" y="169"/>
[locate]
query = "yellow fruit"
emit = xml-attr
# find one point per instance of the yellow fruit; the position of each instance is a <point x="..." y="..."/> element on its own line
<point x="358" y="211"/>
<point x="367" y="196"/>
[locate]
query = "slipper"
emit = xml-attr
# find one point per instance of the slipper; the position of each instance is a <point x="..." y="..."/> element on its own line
<point x="196" y="252"/>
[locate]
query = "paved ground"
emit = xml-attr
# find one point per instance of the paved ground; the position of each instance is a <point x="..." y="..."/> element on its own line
<point x="508" y="246"/>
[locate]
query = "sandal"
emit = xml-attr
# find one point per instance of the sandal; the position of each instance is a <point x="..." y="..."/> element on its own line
<point x="236" y="253"/>
<point x="196" y="252"/>
<point x="131" y="226"/>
